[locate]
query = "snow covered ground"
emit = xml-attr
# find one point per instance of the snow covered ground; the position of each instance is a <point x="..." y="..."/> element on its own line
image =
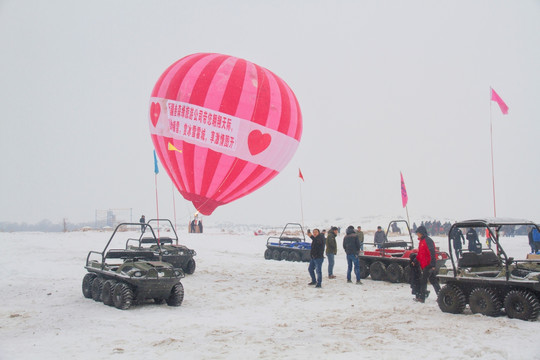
<point x="237" y="305"/>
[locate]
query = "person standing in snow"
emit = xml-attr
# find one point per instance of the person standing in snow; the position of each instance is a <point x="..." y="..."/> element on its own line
<point x="427" y="261"/>
<point x="142" y="220"/>
<point x="360" y="234"/>
<point x="379" y="238"/>
<point x="351" y="245"/>
<point x="488" y="238"/>
<point x="457" y="237"/>
<point x="531" y="241"/>
<point x="331" y="250"/>
<point x="317" y="257"/>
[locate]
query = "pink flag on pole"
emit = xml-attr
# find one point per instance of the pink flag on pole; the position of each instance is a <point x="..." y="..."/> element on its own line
<point x="300" y="174"/>
<point x="495" y="97"/>
<point x="404" y="197"/>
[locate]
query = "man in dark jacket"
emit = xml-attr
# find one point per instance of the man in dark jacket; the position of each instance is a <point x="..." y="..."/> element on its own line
<point x="351" y="245"/>
<point x="380" y="237"/>
<point x="474" y="244"/>
<point x="142" y="220"/>
<point x="331" y="250"/>
<point x="426" y="259"/>
<point x="457" y="237"/>
<point x="317" y="257"/>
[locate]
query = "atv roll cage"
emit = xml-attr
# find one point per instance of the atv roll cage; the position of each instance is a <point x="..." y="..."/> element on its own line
<point x="407" y="244"/>
<point x="124" y="253"/>
<point x="284" y="238"/>
<point x="486" y="258"/>
<point x="160" y="240"/>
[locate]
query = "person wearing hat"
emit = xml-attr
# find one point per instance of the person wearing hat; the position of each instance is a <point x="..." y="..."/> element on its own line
<point x="317" y="257"/>
<point x="331" y="250"/>
<point x="351" y="244"/>
<point x="426" y="260"/>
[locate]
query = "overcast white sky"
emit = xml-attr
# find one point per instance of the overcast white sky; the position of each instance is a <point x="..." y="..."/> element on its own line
<point x="384" y="87"/>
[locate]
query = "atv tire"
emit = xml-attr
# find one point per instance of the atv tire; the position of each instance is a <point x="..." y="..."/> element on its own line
<point x="451" y="299"/>
<point x="293" y="256"/>
<point x="177" y="295"/>
<point x="191" y="265"/>
<point x="87" y="285"/>
<point x="484" y="301"/>
<point x="407" y="274"/>
<point x="276" y="255"/>
<point x="268" y="254"/>
<point x="97" y="287"/>
<point x="394" y="273"/>
<point x="283" y="255"/>
<point x="378" y="271"/>
<point x="521" y="304"/>
<point x="364" y="269"/>
<point x="107" y="292"/>
<point x="122" y="296"/>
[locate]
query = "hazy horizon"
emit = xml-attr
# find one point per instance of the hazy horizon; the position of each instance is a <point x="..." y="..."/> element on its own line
<point x="384" y="87"/>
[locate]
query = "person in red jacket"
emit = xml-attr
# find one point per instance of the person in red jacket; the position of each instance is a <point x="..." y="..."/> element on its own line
<point x="426" y="261"/>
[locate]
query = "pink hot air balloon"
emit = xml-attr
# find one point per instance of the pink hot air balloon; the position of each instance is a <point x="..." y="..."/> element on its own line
<point x="222" y="127"/>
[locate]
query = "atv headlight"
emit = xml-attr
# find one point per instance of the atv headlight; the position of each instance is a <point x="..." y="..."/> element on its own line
<point x="137" y="274"/>
<point x="177" y="273"/>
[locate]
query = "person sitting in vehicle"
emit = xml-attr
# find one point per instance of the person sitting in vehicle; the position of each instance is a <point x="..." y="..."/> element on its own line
<point x="474" y="243"/>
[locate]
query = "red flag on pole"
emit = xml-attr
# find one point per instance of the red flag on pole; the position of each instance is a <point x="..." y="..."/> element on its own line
<point x="404" y="197"/>
<point x="300" y="174"/>
<point x="495" y="97"/>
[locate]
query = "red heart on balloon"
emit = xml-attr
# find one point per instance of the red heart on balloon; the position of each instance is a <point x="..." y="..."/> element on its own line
<point x="258" y="142"/>
<point x="155" y="110"/>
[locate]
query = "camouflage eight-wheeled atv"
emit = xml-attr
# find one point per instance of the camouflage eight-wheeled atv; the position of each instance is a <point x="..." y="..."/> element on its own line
<point x="163" y="248"/>
<point x="486" y="277"/>
<point x="120" y="277"/>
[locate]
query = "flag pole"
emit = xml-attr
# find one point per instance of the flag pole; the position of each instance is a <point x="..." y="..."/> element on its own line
<point x="156" y="171"/>
<point x="407" y="211"/>
<point x="174" y="208"/>
<point x="301" y="200"/>
<point x="492" y="162"/>
<point x="301" y="206"/>
<point x="157" y="205"/>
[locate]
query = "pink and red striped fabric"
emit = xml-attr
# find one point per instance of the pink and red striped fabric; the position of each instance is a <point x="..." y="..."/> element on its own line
<point x="222" y="127"/>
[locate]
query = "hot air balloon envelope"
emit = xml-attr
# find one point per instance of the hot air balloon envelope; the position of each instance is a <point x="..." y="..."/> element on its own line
<point x="222" y="127"/>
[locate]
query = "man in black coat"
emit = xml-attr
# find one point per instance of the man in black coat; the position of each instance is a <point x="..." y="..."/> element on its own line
<point x="474" y="243"/>
<point x="351" y="245"/>
<point x="457" y="237"/>
<point x="317" y="257"/>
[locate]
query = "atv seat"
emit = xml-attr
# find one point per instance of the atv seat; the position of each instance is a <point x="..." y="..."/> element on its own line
<point x="163" y="240"/>
<point x="471" y="259"/>
<point x="129" y="254"/>
<point x="493" y="273"/>
<point x="392" y="244"/>
<point x="293" y="239"/>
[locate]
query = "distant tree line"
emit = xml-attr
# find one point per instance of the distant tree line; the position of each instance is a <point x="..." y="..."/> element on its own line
<point x="43" y="225"/>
